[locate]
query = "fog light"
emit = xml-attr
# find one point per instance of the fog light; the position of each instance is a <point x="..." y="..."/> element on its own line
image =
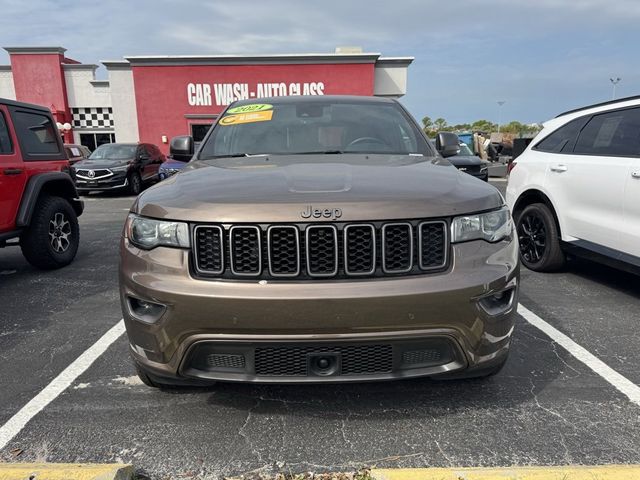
<point x="144" y="310"/>
<point x="499" y="302"/>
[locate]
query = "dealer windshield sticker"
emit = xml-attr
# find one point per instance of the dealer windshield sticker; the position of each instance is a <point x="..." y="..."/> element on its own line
<point x="253" y="117"/>
<point x="254" y="107"/>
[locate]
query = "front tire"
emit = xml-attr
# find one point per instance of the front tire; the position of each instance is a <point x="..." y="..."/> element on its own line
<point x="53" y="236"/>
<point x="135" y="183"/>
<point x="539" y="239"/>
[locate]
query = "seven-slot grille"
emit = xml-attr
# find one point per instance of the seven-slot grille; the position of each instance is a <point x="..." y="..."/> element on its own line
<point x="306" y="251"/>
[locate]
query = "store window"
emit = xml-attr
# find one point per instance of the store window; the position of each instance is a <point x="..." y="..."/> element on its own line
<point x="94" y="140"/>
<point x="199" y="131"/>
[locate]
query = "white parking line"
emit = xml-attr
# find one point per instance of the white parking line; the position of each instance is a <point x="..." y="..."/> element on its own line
<point x="620" y="382"/>
<point x="58" y="385"/>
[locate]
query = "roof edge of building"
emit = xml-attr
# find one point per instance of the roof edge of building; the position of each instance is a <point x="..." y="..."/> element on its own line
<point x="116" y="64"/>
<point x="79" y="66"/>
<point x="289" y="59"/>
<point x="33" y="50"/>
<point x="395" y="61"/>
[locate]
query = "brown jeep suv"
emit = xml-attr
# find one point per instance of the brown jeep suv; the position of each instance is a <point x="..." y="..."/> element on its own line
<point x="317" y="239"/>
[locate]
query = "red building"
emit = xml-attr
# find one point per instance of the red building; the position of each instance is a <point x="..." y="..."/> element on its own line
<point x="152" y="98"/>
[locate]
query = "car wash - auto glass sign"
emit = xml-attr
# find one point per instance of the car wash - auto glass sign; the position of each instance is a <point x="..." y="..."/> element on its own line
<point x="222" y="94"/>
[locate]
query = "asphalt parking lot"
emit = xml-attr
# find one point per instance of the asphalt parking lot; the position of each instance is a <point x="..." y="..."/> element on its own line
<point x="545" y="408"/>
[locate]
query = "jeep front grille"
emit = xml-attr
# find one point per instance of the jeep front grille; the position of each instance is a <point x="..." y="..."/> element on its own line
<point x="320" y="250"/>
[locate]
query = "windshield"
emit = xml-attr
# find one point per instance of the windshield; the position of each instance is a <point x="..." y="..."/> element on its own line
<point x="314" y="127"/>
<point x="465" y="151"/>
<point x="112" y="151"/>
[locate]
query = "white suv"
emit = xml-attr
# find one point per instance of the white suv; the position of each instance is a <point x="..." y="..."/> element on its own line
<point x="576" y="188"/>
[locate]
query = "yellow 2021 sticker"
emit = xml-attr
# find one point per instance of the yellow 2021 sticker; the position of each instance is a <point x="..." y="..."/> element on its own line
<point x="254" y="107"/>
<point x="236" y="119"/>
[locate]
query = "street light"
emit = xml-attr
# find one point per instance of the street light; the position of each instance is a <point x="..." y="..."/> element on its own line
<point x="614" y="81"/>
<point x="500" y="104"/>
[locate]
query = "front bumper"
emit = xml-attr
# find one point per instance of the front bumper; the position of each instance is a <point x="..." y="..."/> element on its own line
<point x="254" y="331"/>
<point x="117" y="181"/>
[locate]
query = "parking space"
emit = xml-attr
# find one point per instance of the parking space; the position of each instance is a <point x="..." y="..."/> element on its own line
<point x="545" y="408"/>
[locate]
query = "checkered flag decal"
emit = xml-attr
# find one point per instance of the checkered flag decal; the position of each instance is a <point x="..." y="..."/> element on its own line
<point x="94" y="117"/>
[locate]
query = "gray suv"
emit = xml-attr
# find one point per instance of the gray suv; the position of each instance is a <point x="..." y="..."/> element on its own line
<point x="317" y="239"/>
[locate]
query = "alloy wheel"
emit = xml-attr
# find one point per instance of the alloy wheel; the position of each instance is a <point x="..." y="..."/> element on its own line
<point x="59" y="233"/>
<point x="532" y="234"/>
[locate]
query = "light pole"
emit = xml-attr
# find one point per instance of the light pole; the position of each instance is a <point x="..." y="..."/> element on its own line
<point x="500" y="104"/>
<point x="614" y="81"/>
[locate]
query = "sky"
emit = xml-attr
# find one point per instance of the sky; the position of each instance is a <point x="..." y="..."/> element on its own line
<point x="540" y="57"/>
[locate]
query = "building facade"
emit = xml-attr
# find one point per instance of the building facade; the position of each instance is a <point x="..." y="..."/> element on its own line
<point x="153" y="98"/>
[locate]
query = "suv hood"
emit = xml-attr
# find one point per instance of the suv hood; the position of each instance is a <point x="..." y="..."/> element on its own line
<point x="280" y="190"/>
<point x="102" y="163"/>
<point x="463" y="160"/>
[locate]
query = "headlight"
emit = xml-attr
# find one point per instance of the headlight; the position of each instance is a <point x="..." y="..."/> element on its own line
<point x="122" y="168"/>
<point x="490" y="226"/>
<point x="147" y="233"/>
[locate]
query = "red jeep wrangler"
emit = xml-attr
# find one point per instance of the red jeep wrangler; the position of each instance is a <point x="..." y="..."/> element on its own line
<point x="39" y="205"/>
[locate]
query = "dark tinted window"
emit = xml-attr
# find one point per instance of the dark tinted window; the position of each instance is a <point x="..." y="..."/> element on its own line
<point x="5" y="139"/>
<point x="37" y="133"/>
<point x="563" y="139"/>
<point x="144" y="150"/>
<point x="611" y="133"/>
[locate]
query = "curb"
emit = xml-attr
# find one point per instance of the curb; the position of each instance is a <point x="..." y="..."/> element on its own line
<point x="65" y="471"/>
<point x="599" y="472"/>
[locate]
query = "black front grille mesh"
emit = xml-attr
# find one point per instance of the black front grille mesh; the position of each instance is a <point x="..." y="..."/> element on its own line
<point x="322" y="250"/>
<point x="225" y="360"/>
<point x="355" y="359"/>
<point x="245" y="246"/>
<point x="208" y="247"/>
<point x="433" y="241"/>
<point x="284" y="256"/>
<point x="397" y="239"/>
<point x="309" y="251"/>
<point x="359" y="249"/>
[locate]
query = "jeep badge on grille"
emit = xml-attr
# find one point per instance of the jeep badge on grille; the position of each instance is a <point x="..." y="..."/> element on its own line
<point x="332" y="213"/>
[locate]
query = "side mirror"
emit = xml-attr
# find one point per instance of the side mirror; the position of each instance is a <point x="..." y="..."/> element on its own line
<point x="181" y="148"/>
<point x="447" y="144"/>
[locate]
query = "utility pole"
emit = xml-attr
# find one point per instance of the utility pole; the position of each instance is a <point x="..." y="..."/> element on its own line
<point x="614" y="81"/>
<point x="500" y="104"/>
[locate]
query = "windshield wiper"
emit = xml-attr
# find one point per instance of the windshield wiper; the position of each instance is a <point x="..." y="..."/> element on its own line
<point x="235" y="155"/>
<point x="318" y="152"/>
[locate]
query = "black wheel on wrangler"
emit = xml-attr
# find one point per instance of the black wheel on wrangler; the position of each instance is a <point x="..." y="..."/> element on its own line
<point x="135" y="183"/>
<point x="539" y="239"/>
<point x="52" y="238"/>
